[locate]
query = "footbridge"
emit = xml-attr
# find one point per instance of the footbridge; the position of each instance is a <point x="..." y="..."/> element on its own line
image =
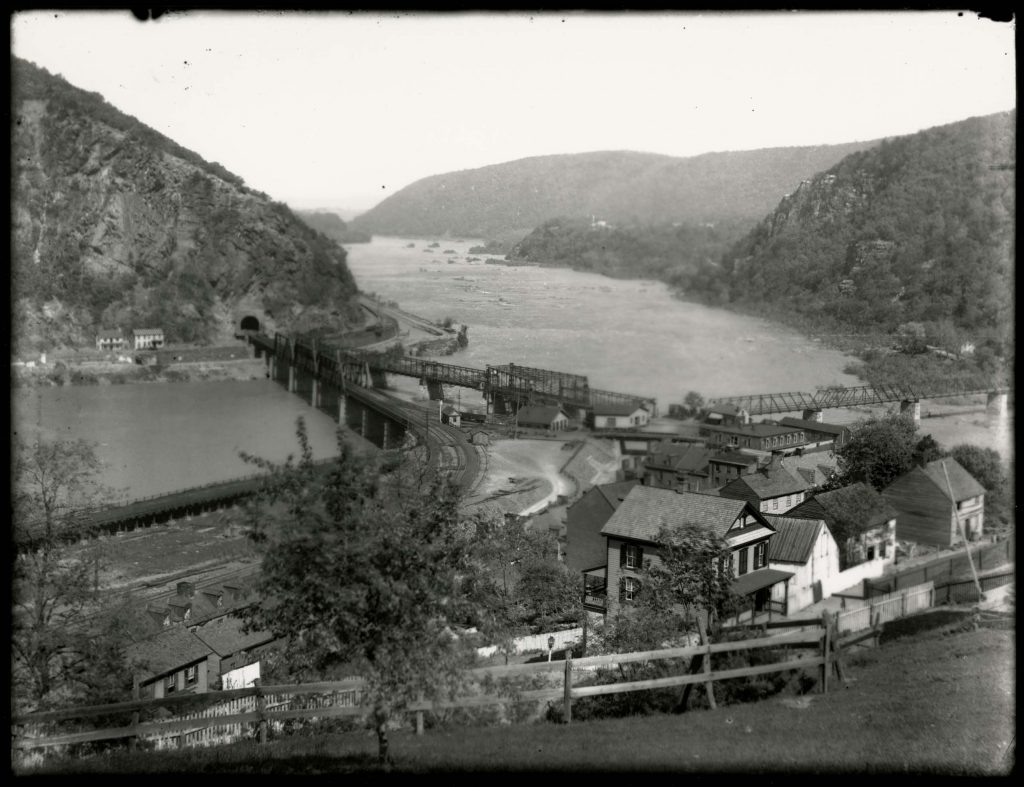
<point x="811" y="405"/>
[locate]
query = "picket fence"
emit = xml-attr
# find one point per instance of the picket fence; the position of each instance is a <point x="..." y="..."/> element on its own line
<point x="891" y="606"/>
<point x="562" y="639"/>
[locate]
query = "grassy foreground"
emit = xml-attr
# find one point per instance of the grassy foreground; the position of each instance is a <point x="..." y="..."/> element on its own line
<point x="935" y="701"/>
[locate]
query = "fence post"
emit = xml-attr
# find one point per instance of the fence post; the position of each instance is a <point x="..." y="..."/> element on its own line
<point x="826" y="645"/>
<point x="261" y="708"/>
<point x="903" y="604"/>
<point x="567" y="698"/>
<point x="419" y="716"/>
<point x="709" y="685"/>
<point x="136" y="694"/>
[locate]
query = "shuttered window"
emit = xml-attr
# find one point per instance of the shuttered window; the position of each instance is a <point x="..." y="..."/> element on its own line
<point x="743" y="561"/>
<point x="634" y="556"/>
<point x="759" y="556"/>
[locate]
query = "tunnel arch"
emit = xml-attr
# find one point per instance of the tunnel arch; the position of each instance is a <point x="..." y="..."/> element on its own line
<point x="249" y="323"/>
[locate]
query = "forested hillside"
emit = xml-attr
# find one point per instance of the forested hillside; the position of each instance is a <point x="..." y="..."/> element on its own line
<point x="511" y="199"/>
<point x="333" y="226"/>
<point x="116" y="226"/>
<point x="919" y="230"/>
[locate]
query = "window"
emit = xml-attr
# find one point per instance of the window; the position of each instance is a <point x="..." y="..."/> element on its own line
<point x="743" y="561"/>
<point x="191" y="675"/>
<point x="759" y="556"/>
<point x="609" y="423"/>
<point x="630" y="588"/>
<point x="632" y="556"/>
<point x="170" y="684"/>
<point x="725" y="566"/>
<point x="775" y="504"/>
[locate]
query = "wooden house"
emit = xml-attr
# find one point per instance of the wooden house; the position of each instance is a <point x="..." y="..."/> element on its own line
<point x="450" y="415"/>
<point x="630" y="415"/>
<point x="672" y="465"/>
<point x="147" y="338"/>
<point x="774" y="489"/>
<point x="726" y="415"/>
<point x="874" y="539"/>
<point x="932" y="510"/>
<point x="173" y="661"/>
<point x="235" y="655"/>
<point x="110" y="340"/>
<point x="728" y="464"/>
<point x="763" y="437"/>
<point x="547" y="417"/>
<point x="805" y="547"/>
<point x="632" y="530"/>
<point x="585" y="547"/>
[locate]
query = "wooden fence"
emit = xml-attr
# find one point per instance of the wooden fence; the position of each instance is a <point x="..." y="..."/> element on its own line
<point x="966" y="592"/>
<point x="264" y="705"/>
<point x="943" y="569"/>
<point x="882" y="609"/>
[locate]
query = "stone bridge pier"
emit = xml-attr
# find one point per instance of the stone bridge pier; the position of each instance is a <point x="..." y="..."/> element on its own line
<point x="912" y="406"/>
<point x="997" y="403"/>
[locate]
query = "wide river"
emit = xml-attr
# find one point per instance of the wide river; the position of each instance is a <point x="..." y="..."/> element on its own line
<point x="627" y="336"/>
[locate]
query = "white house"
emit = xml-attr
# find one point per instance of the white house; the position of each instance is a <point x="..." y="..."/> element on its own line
<point x="620" y="416"/>
<point x="806" y="548"/>
<point x="147" y="338"/>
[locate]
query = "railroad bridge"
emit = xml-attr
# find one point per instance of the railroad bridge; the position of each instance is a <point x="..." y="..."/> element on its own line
<point x="812" y="405"/>
<point x="307" y="367"/>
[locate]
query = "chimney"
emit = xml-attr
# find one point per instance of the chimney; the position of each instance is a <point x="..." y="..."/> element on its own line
<point x="186" y="589"/>
<point x="775" y="462"/>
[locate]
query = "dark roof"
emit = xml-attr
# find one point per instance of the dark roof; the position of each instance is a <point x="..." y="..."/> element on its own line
<point x="794" y="538"/>
<point x="770" y="481"/>
<point x="168" y="651"/>
<point x="678" y="456"/>
<point x="963" y="483"/>
<point x="645" y="509"/>
<point x="617" y="408"/>
<point x="816" y="426"/>
<point x="143" y="331"/>
<point x="449" y="409"/>
<point x="539" y="414"/>
<point x="615" y="491"/>
<point x="755" y="580"/>
<point x="754" y="430"/>
<point x="859" y="497"/>
<point x="224" y="636"/>
<point x="733" y="458"/>
<point x="110" y="333"/>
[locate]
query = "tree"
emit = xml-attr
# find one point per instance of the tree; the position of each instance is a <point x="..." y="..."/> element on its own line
<point x="879" y="451"/>
<point x="363" y="572"/>
<point x="520" y="585"/>
<point x="694" y="404"/>
<point x="926" y="450"/>
<point x="984" y="464"/>
<point x="63" y="645"/>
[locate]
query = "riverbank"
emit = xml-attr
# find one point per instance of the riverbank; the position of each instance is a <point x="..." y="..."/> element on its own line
<point x="64" y="373"/>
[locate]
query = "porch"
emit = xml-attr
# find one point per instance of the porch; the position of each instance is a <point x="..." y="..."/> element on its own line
<point x="595" y="589"/>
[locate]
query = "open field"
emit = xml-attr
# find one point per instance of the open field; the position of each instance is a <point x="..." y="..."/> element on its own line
<point x="938" y="701"/>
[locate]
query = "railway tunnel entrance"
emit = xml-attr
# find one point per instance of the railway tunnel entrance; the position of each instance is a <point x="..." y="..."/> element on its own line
<point x="250" y="323"/>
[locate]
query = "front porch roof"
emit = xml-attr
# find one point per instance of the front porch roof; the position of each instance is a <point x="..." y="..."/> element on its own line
<point x="756" y="580"/>
<point x="599" y="571"/>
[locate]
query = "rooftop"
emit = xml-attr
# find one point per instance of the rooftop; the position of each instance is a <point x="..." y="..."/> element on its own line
<point x="168" y="651"/>
<point x="645" y="509"/>
<point x="794" y="538"/>
<point x="963" y="483"/>
<point x="617" y="409"/>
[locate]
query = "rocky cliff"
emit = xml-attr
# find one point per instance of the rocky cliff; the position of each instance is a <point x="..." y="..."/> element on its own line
<point x="116" y="226"/>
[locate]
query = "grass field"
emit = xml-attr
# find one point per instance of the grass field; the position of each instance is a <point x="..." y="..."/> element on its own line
<point x="932" y="701"/>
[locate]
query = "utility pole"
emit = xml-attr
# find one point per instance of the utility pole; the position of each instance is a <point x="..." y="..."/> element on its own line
<point x="963" y="533"/>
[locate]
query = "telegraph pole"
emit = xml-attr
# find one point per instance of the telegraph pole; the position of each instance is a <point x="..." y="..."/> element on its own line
<point x="963" y="533"/>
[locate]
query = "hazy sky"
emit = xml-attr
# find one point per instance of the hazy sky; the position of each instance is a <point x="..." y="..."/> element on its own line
<point x="331" y="109"/>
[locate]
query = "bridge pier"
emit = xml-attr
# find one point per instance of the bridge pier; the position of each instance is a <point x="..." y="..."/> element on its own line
<point x="997" y="403"/>
<point x="813" y="415"/>
<point x="435" y="390"/>
<point x="378" y="378"/>
<point x="292" y="381"/>
<point x="912" y="406"/>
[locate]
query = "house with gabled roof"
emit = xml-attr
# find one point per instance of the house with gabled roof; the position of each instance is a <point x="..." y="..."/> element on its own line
<point x="537" y="416"/>
<point x="631" y="536"/>
<point x="235" y="653"/>
<point x="172" y="661"/>
<point x="673" y="465"/>
<point x="805" y="547"/>
<point x="729" y="463"/>
<point x="773" y="488"/>
<point x="628" y="415"/>
<point x="585" y="547"/>
<point x="872" y="539"/>
<point x="932" y="509"/>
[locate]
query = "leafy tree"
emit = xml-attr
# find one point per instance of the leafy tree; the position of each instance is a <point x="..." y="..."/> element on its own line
<point x="520" y="585"/>
<point x="694" y="404"/>
<point x="926" y="450"/>
<point x="363" y="572"/>
<point x="63" y="645"/>
<point x="879" y="451"/>
<point x="983" y="463"/>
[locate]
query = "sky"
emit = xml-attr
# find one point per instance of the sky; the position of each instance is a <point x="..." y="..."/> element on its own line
<point x="340" y="110"/>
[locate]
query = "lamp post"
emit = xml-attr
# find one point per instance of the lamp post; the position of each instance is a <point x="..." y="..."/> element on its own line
<point x="551" y="646"/>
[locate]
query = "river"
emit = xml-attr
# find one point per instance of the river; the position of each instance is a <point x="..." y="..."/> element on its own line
<point x="624" y="335"/>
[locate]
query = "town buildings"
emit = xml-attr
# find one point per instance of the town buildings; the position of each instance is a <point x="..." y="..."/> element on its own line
<point x="936" y="501"/>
